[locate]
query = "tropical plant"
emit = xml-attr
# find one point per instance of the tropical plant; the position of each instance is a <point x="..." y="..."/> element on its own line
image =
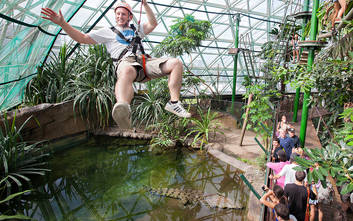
<point x="339" y="49"/>
<point x="201" y="128"/>
<point x="51" y="78"/>
<point x="184" y="37"/>
<point x="92" y="89"/>
<point x="171" y="131"/>
<point x="9" y="198"/>
<point x="261" y="110"/>
<point x="148" y="108"/>
<point x="333" y="81"/>
<point x="18" y="159"/>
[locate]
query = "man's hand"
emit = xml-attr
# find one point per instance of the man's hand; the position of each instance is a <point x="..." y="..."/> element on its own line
<point x="53" y="16"/>
<point x="144" y="2"/>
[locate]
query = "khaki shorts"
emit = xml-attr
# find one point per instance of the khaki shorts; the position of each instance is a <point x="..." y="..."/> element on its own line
<point x="153" y="68"/>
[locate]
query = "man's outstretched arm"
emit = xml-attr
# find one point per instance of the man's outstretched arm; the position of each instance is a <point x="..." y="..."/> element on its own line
<point x="152" y="21"/>
<point x="72" y="32"/>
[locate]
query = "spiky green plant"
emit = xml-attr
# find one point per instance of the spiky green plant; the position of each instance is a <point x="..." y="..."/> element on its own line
<point x="150" y="107"/>
<point x="51" y="78"/>
<point x="92" y="89"/>
<point x="18" y="160"/>
<point x="9" y="198"/>
<point x="202" y="127"/>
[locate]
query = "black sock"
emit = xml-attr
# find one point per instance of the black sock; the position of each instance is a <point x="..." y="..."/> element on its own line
<point x="173" y="102"/>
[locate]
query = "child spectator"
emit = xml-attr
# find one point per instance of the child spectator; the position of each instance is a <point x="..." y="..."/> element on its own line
<point x="282" y="125"/>
<point x="282" y="213"/>
<point x="277" y="167"/>
<point x="340" y="7"/>
<point x="273" y="197"/>
<point x="295" y="48"/>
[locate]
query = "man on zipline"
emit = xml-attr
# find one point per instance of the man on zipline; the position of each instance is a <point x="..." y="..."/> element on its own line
<point x="132" y="65"/>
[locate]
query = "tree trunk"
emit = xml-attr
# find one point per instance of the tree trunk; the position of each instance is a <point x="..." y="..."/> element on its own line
<point x="245" y="121"/>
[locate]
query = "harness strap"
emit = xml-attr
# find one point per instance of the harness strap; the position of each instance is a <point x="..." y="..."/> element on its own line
<point x="144" y="66"/>
<point x="120" y="34"/>
<point x="135" y="44"/>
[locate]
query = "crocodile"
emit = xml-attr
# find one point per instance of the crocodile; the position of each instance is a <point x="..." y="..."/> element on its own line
<point x="190" y="196"/>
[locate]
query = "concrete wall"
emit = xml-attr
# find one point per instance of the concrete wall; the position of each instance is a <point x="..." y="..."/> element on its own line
<point x="48" y="122"/>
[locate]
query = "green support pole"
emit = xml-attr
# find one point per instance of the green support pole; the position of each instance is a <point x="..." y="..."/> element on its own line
<point x="297" y="91"/>
<point x="296" y="104"/>
<point x="311" y="56"/>
<point x="262" y="147"/>
<point x="250" y="186"/>
<point x="236" y="44"/>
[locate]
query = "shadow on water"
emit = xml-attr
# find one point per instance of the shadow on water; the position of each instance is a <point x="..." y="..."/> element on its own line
<point x="103" y="179"/>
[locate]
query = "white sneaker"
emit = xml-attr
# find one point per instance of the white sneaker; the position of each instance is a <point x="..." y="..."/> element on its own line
<point x="121" y="115"/>
<point x="177" y="109"/>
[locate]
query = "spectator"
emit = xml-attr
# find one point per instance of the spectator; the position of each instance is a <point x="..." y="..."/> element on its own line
<point x="340" y="7"/>
<point x="277" y="167"/>
<point x="298" y="198"/>
<point x="288" y="172"/>
<point x="273" y="197"/>
<point x="294" y="137"/>
<point x="325" y="198"/>
<point x="286" y="143"/>
<point x="295" y="48"/>
<point x="300" y="152"/>
<point x="282" y="125"/>
<point x="313" y="203"/>
<point x="282" y="213"/>
<point x="275" y="148"/>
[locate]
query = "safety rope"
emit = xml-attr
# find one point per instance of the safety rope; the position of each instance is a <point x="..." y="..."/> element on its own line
<point x="139" y="21"/>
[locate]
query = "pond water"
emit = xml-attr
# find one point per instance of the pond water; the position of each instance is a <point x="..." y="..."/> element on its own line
<point x="103" y="179"/>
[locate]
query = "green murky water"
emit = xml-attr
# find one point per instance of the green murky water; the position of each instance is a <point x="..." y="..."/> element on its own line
<point x="103" y="180"/>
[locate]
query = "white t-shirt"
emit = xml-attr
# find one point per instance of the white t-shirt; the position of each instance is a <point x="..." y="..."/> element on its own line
<point x="113" y="42"/>
<point x="289" y="173"/>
